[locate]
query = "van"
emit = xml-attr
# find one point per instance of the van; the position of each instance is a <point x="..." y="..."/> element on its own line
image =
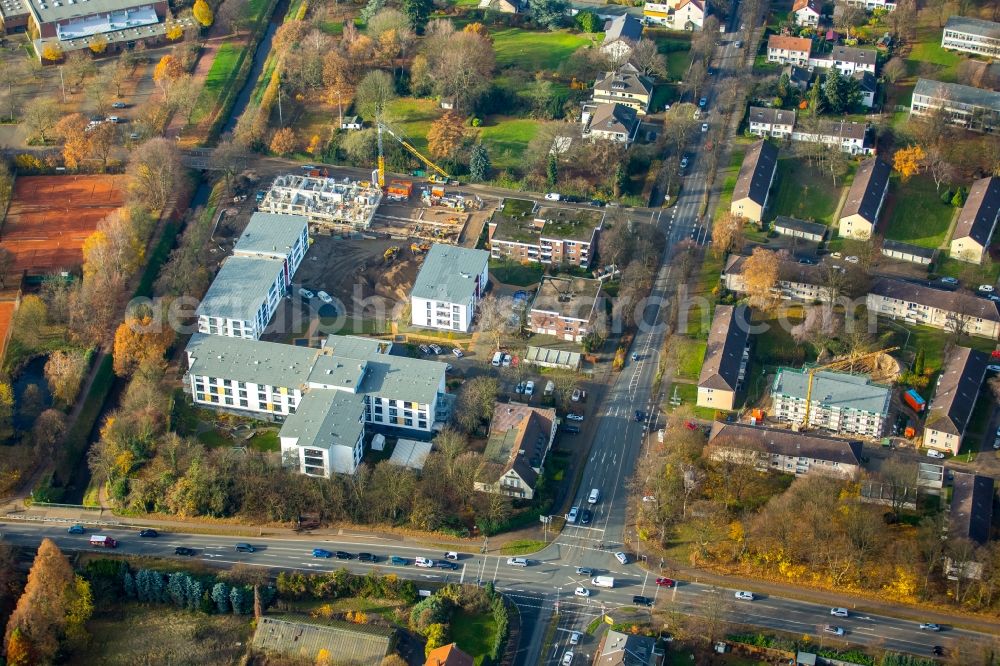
<point x="497" y="359"/>
<point x="517" y="562"/>
<point x="103" y="541"/>
<point x="245" y="548"/>
<point x="602" y="581"/>
<point x="595" y="496"/>
<point x="550" y="387"/>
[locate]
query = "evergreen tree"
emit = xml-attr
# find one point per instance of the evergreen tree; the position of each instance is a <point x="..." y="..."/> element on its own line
<point x="194" y="593"/>
<point x="418" y="12"/>
<point x="142" y="585"/>
<point x="552" y="171"/>
<point x="240" y="600"/>
<point x="918" y="363"/>
<point x="621" y="179"/>
<point x="479" y="163"/>
<point x="220" y="595"/>
<point x="177" y="588"/>
<point x="128" y="584"/>
<point x="959" y="199"/>
<point x="816" y="99"/>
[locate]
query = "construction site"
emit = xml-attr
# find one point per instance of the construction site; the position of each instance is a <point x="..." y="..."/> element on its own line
<point x="328" y="203"/>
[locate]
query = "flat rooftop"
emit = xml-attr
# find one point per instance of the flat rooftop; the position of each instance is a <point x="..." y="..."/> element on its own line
<point x="522" y="221"/>
<point x="271" y="234"/>
<point x="568" y="298"/>
<point x="240" y="287"/>
<point x="403" y="378"/>
<point x="451" y="274"/>
<point x="834" y="389"/>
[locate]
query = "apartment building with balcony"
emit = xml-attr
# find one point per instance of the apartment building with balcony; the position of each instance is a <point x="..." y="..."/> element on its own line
<point x="840" y="402"/>
<point x="796" y="282"/>
<point x="975" y="109"/>
<point x="786" y="451"/>
<point x="565" y="307"/>
<point x="938" y="308"/>
<point x="521" y="230"/>
<point x="449" y="287"/>
<point x="972" y="35"/>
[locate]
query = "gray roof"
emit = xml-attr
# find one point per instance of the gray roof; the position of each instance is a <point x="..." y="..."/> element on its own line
<point x="769" y="116"/>
<point x="49" y="11"/>
<point x="844" y="129"/>
<point x="337" y="372"/>
<point x="614" y="117"/>
<point x="756" y="173"/>
<point x="948" y="301"/>
<point x="556" y="357"/>
<point x="867" y="190"/>
<point x="621" y="649"/>
<point x="724" y="353"/>
<point x="855" y="55"/>
<point x="625" y="27"/>
<point x="795" y="224"/>
<point x="403" y="378"/>
<point x="973" y="26"/>
<point x="326" y="417"/>
<point x="567" y="297"/>
<point x="834" y="389"/>
<point x="957" y="93"/>
<point x="797" y="75"/>
<point x="866" y="81"/>
<point x="450" y="274"/>
<point x="626" y="80"/>
<point x="355" y="346"/>
<point x="269" y="363"/>
<point x="240" y="288"/>
<point x="972" y="506"/>
<point x="907" y="248"/>
<point x="980" y="213"/>
<point x="788" y="442"/>
<point x="270" y="234"/>
<point x="957" y="390"/>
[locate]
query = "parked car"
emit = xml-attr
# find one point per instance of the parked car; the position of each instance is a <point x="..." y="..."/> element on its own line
<point x="325" y="297"/>
<point x="573" y="416"/>
<point x="684" y="162"/>
<point x="986" y="288"/>
<point x="581" y="592"/>
<point x="621" y="557"/>
<point x="76" y="529"/>
<point x="743" y="595"/>
<point x="425" y="349"/>
<point x="665" y="582"/>
<point x="553" y="196"/>
<point x="704" y="127"/>
<point x="949" y="280"/>
<point x="648" y="498"/>
<point x="529" y="388"/>
<point x="435" y="348"/>
<point x="703" y="102"/>
<point x="585" y="516"/>
<point x="519" y="389"/>
<point x="584" y="571"/>
<point x="507" y="360"/>
<point x="738" y="44"/>
<point x="640" y="600"/>
<point x="457" y="352"/>
<point x="305" y="293"/>
<point x="851" y="259"/>
<point x="573" y="514"/>
<point x="931" y="453"/>
<point x="184" y="550"/>
<point x="149" y="533"/>
<point x="119" y="105"/>
<point x="322" y="552"/>
<point x="577" y="395"/>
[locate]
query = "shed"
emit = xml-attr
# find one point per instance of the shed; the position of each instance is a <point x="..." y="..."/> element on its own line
<point x="410" y="453"/>
<point x="906" y="252"/>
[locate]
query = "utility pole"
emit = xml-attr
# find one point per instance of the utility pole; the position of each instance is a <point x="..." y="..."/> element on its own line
<point x="62" y="83"/>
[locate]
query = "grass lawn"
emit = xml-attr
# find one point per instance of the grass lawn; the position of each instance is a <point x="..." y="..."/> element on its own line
<point x="334" y="28"/>
<point x="265" y="440"/>
<point x="414" y="118"/>
<point x="522" y="547"/>
<point x="987" y="273"/>
<point x="227" y="61"/>
<point x="520" y="275"/>
<point x="690" y="355"/>
<point x="927" y="49"/>
<point x="916" y="214"/>
<point x="931" y="340"/>
<point x="214" y="438"/>
<point x="474" y="634"/>
<point x="663" y="94"/>
<point x="506" y="138"/>
<point x="688" y="393"/>
<point x="536" y="51"/>
<point x="729" y="174"/>
<point x="804" y="193"/>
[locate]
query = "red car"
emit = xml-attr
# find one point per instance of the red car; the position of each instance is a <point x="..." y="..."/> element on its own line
<point x="666" y="582"/>
<point x="690" y="425"/>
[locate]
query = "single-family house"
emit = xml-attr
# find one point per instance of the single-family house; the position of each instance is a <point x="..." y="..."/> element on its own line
<point x="867" y="86"/>
<point x="789" y="50"/>
<point x="675" y="14"/>
<point x="611" y="121"/>
<point x="448" y="655"/>
<point x="806" y="12"/>
<point x="504" y="6"/>
<point x="760" y="164"/>
<point x="954" y="397"/>
<point x="727" y="356"/>
<point x="625" y="649"/>
<point x="977" y="221"/>
<point x="871" y="5"/>
<point x="786" y="451"/>
<point x="520" y="438"/>
<point x="448" y="288"/>
<point x="798" y="77"/>
<point x="627" y="87"/>
<point x="766" y="121"/>
<point x="621" y="34"/>
<point x="860" y="215"/>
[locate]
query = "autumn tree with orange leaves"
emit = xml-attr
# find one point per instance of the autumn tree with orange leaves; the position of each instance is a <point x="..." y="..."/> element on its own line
<point x="139" y="340"/>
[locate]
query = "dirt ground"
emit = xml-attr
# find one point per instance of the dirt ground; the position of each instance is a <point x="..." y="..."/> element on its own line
<point x="51" y="216"/>
<point x="352" y="270"/>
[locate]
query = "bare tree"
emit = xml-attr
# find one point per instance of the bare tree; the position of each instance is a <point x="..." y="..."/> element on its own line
<point x="647" y="59"/>
<point x="40" y="115"/>
<point x="155" y="171"/>
<point x="495" y="319"/>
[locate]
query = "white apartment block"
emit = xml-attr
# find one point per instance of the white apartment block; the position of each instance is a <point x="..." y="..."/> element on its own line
<point x="946" y="310"/>
<point x="840" y="402"/>
<point x="248" y="288"/>
<point x="972" y="35"/>
<point x="976" y="109"/>
<point x="871" y="5"/>
<point x="449" y="287"/>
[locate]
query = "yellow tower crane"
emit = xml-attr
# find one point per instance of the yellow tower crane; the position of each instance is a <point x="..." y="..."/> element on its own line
<point x="381" y="155"/>
<point x="836" y="365"/>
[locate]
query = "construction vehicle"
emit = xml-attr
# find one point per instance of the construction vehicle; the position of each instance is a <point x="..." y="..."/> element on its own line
<point x="399" y="190"/>
<point x="442" y="175"/>
<point x="836" y="365"/>
<point x="419" y="248"/>
<point x="390" y="254"/>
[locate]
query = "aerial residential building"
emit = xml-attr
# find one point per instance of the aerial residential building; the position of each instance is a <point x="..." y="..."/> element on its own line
<point x="448" y="655"/>
<point x="851" y="137"/>
<point x="611" y="122"/>
<point x="795" y="228"/>
<point x="954" y="397"/>
<point x="859" y="217"/>
<point x="972" y="35"/>
<point x="449" y="286"/>
<point x="248" y="288"/>
<point x="520" y="439"/>
<point x="326" y="433"/>
<point x="504" y="6"/>
<point x="938" y="308"/>
<point x="625" y="649"/>
<point x="870" y="5"/>
<point x="848" y="60"/>
<point x="675" y="14"/>
<point x="798" y="76"/>
<point x="565" y="307"/>
<point x="840" y="402"/>
<point x="625" y="86"/>
<point x="765" y="121"/>
<point x="789" y="50"/>
<point x="727" y="355"/>
<point x="796" y="282"/>
<point x="785" y="451"/>
<point x="971" y="515"/>
<point x="977" y="221"/>
<point x="326" y="202"/>
<point x="806" y="12"/>
<point x="867" y="86"/>
<point x="760" y="164"/>
<point x="906" y="252"/>
<point x="975" y="109"/>
<point x="621" y="34"/>
<point x="520" y="230"/>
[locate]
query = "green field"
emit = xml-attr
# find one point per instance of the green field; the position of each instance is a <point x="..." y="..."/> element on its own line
<point x="514" y="273"/>
<point x="927" y="49"/>
<point x="227" y="61"/>
<point x="804" y="193"/>
<point x="690" y="355"/>
<point x="916" y="214"/>
<point x="414" y="117"/>
<point x="536" y="51"/>
<point x="474" y="634"/>
<point x="506" y="138"/>
<point x="728" y="175"/>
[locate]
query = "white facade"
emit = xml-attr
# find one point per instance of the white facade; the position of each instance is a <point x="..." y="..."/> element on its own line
<point x="840" y="402"/>
<point x="442" y="315"/>
<point x="449" y="287"/>
<point x="972" y="36"/>
<point x="870" y="5"/>
<point x="268" y="399"/>
<point x="807" y="16"/>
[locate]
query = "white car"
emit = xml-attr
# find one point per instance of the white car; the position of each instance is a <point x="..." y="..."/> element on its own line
<point x="986" y="288"/>
<point x="306" y="293"/>
<point x="684" y="162"/>
<point x="839" y="612"/>
<point x="648" y="498"/>
<point x="323" y="296"/>
<point x="929" y="626"/>
<point x="573" y="513"/>
<point x="506" y="360"/>
<point x="529" y="388"/>
<point x="931" y="453"/>
<point x="567" y="658"/>
<point x="576" y="395"/>
<point x="836" y="255"/>
<point x="743" y="595"/>
<point x="704" y="127"/>
<point x="582" y="592"/>
<point x="851" y="259"/>
<point x="553" y="196"/>
<point x="574" y="417"/>
<point x="574" y="638"/>
<point x="836" y="631"/>
<point x="423" y="562"/>
<point x="435" y="348"/>
<point x="621" y="557"/>
<point x="457" y="352"/>
<point x="451" y="555"/>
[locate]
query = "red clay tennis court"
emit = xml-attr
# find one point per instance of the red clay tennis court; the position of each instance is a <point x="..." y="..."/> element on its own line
<point x="50" y="217"/>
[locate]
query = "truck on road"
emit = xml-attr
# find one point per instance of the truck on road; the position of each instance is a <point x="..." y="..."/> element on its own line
<point x="603" y="581"/>
<point x="103" y="541"/>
